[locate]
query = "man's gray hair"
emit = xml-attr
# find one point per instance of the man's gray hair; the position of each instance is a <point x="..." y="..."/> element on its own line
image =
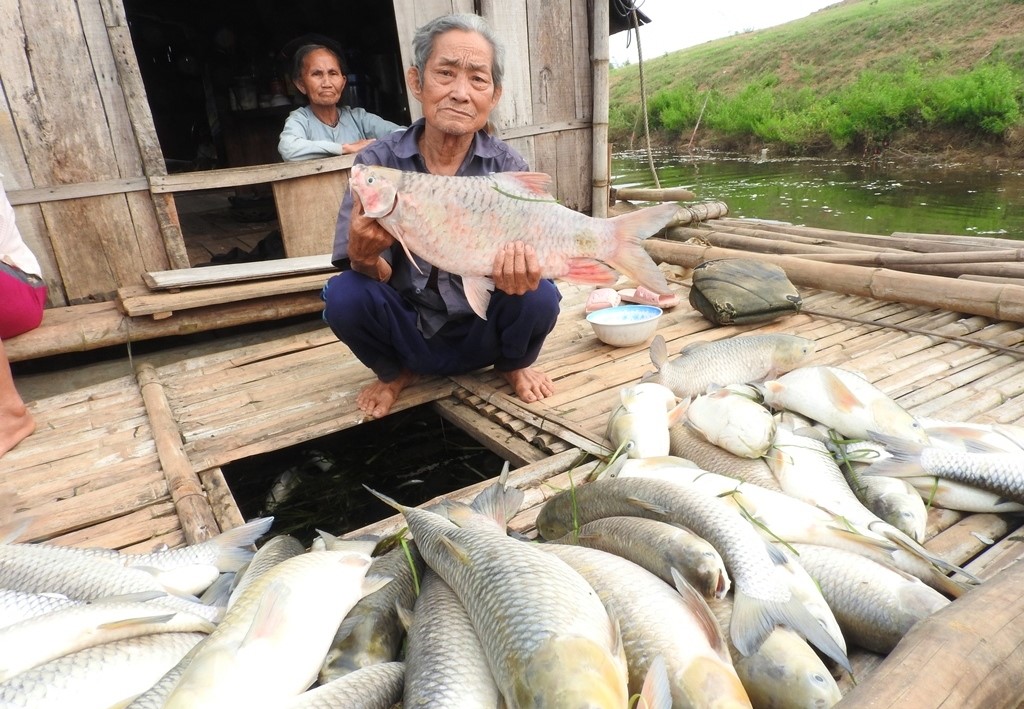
<point x="423" y="41"/>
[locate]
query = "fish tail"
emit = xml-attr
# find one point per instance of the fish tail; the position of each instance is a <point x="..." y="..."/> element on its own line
<point x="656" y="692"/>
<point x="907" y="543"/>
<point x="753" y="620"/>
<point x="232" y="544"/>
<point x="629" y="256"/>
<point x="905" y="461"/>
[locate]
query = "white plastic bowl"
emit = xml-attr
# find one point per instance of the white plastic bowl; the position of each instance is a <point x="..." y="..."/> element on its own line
<point x="625" y="325"/>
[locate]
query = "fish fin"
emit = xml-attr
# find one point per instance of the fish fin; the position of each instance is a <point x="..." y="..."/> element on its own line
<point x="659" y="351"/>
<point x="271" y="613"/>
<point x="232" y="543"/>
<point x="677" y="414"/>
<point x="905" y="460"/>
<point x="907" y="543"/>
<point x="139" y="620"/>
<point x="365" y="545"/>
<point x="656" y="692"/>
<point x="456" y="549"/>
<point x="405" y="616"/>
<point x="629" y="256"/>
<point x="499" y="502"/>
<point x="647" y="506"/>
<point x="133" y="597"/>
<point x="535" y="185"/>
<point x="386" y="500"/>
<point x="372" y="584"/>
<point x="591" y="272"/>
<point x="399" y="235"/>
<point x="478" y="291"/>
<point x="703" y="614"/>
<point x="841" y="396"/>
<point x="753" y="621"/>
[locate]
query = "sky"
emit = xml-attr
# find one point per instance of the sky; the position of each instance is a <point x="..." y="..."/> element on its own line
<point x="676" y="24"/>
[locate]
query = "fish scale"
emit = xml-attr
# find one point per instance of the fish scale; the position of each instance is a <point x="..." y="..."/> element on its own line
<point x="547" y="637"/>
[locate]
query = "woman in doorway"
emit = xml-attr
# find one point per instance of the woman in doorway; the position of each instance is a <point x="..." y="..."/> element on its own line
<point x="325" y="128"/>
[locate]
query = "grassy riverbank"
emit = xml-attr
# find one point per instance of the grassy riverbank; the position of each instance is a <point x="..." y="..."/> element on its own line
<point x="854" y="77"/>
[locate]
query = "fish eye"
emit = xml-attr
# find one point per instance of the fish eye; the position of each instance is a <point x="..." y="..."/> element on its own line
<point x="370" y="180"/>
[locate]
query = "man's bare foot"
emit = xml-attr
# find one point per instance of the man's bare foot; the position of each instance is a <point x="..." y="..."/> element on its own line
<point x="377" y="399"/>
<point x="530" y="384"/>
<point x="15" y="425"/>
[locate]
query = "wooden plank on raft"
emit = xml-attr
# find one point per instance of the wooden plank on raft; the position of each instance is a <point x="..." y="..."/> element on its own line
<point x="496" y="438"/>
<point x="234" y="272"/>
<point x="197" y="519"/>
<point x="140" y="300"/>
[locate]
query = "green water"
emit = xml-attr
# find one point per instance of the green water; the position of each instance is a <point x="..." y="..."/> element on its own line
<point x="878" y="196"/>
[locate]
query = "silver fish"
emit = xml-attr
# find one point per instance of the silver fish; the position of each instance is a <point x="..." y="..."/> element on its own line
<point x="445" y="662"/>
<point x="736" y="360"/>
<point x="685" y="443"/>
<point x="658" y="547"/>
<point x="372" y="687"/>
<point x="763" y="600"/>
<point x="1001" y="473"/>
<point x="372" y="631"/>
<point x="659" y="621"/>
<point x="876" y="605"/>
<point x="106" y="675"/>
<point x="784" y="673"/>
<point x="61" y="632"/>
<point x="547" y="637"/>
<point x="16" y="606"/>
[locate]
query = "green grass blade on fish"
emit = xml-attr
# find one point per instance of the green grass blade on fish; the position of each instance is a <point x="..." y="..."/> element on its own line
<point x="737" y="497"/>
<point x="523" y="198"/>
<point x="412" y="564"/>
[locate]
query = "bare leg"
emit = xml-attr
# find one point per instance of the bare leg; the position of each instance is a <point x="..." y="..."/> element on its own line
<point x="377" y="399"/>
<point x="15" y="420"/>
<point x="530" y="384"/>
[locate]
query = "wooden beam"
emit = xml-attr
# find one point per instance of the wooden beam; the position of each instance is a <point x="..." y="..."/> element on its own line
<point x="497" y="439"/>
<point x="235" y="272"/>
<point x="77" y="190"/>
<point x="249" y="175"/>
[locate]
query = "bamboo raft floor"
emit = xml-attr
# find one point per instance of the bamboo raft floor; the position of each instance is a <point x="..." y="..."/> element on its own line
<point x="135" y="461"/>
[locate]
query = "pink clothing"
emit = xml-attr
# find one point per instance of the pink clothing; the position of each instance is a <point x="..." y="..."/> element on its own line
<point x="21" y="305"/>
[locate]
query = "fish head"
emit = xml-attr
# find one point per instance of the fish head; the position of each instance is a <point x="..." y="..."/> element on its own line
<point x="787" y="672"/>
<point x="377" y="188"/>
<point x="644" y="434"/>
<point x="572" y="671"/>
<point x="791" y="351"/>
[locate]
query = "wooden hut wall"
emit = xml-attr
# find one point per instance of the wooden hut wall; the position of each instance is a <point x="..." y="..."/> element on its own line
<point x="70" y="151"/>
<point x="547" y="94"/>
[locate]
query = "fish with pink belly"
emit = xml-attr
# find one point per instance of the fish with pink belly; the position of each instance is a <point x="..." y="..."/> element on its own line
<point x="459" y="223"/>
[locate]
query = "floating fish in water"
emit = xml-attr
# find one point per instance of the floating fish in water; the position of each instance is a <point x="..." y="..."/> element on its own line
<point x="444" y="660"/>
<point x="1000" y="473"/>
<point x="763" y="599"/>
<point x="658" y="547"/>
<point x="736" y="360"/>
<point x="547" y="637"/>
<point x="875" y="604"/>
<point x="458" y="223"/>
<point x="657" y="620"/>
<point x="842" y="400"/>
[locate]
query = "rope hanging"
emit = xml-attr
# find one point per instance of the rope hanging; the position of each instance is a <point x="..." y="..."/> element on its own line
<point x="631" y="8"/>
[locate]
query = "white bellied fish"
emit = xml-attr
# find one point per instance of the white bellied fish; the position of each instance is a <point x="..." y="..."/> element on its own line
<point x="684" y="442"/>
<point x="642" y="419"/>
<point x="458" y="223"/>
<point x="763" y="600"/>
<point x="844" y="401"/>
<point x="733" y="421"/>
<point x="376" y="686"/>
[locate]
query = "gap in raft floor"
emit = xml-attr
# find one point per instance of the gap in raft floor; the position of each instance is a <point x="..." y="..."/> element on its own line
<point x="411" y="456"/>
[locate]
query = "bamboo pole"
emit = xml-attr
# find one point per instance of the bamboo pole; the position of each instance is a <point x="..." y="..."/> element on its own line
<point x="1003" y="302"/>
<point x="991" y="242"/>
<point x="653" y="194"/>
<point x="902" y="258"/>
<point x="729" y="226"/>
<point x="600" y="169"/>
<point x="730" y="240"/>
<point x="194" y="511"/>
<point x="895" y="241"/>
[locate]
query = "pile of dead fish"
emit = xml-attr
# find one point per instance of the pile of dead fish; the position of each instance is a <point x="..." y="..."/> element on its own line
<point x="762" y="511"/>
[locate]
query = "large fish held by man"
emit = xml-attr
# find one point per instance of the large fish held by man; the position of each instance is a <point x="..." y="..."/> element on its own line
<point x="459" y="223"/>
